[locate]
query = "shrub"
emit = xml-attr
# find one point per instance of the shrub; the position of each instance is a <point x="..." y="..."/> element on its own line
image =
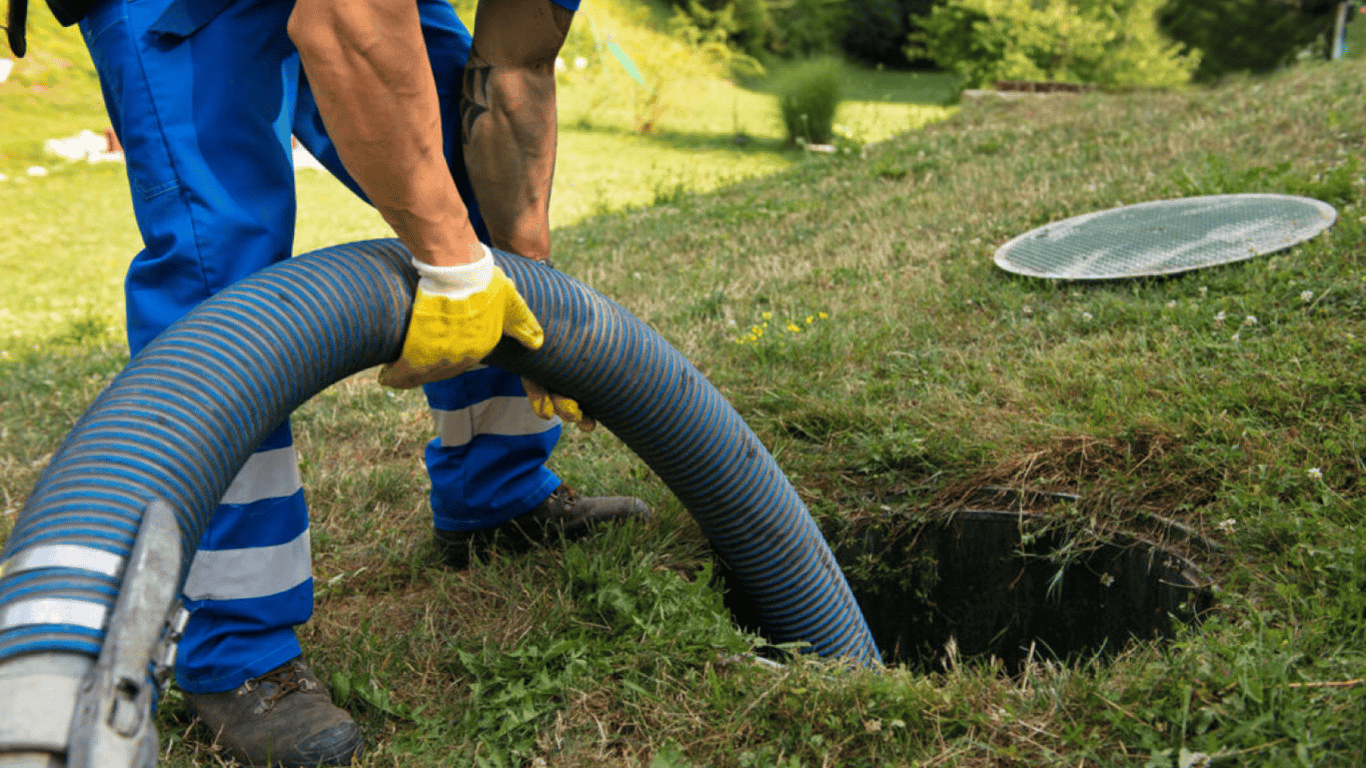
<point x="807" y="98"/>
<point x="1243" y="35"/>
<point x="1106" y="42"/>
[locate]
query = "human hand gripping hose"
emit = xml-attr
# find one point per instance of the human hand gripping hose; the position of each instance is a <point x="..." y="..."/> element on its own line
<point x="547" y="404"/>
<point x="460" y="314"/>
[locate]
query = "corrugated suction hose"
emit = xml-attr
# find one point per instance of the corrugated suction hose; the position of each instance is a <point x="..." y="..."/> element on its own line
<point x="183" y="417"/>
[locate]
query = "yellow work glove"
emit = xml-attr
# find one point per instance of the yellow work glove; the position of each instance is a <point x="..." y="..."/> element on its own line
<point x="459" y="315"/>
<point x="547" y="404"/>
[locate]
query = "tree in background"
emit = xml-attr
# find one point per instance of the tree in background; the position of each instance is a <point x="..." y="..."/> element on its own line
<point x="1072" y="40"/>
<point x="1245" y="35"/>
<point x="875" y="31"/>
<point x="744" y="24"/>
<point x="786" y="28"/>
<point x="1106" y="42"/>
<point x="807" y="28"/>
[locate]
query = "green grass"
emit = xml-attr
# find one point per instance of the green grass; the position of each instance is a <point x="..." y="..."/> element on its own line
<point x="52" y="92"/>
<point x="604" y="163"/>
<point x="924" y="371"/>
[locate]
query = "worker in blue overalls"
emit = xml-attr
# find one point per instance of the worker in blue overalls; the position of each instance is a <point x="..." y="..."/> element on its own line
<point x="396" y="100"/>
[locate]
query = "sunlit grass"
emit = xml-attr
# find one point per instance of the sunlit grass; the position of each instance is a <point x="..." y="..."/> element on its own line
<point x="70" y="232"/>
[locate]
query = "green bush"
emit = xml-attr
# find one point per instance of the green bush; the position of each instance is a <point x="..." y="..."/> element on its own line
<point x="807" y="98"/>
<point x="1105" y="42"/>
<point x="1243" y="35"/>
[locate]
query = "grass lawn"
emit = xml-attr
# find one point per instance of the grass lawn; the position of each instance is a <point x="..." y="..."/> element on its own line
<point x="849" y="308"/>
<point x="604" y="165"/>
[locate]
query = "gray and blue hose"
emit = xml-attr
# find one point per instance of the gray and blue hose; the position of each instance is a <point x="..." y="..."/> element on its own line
<point x="183" y="417"/>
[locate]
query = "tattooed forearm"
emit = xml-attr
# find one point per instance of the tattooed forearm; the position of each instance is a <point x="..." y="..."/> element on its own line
<point x="507" y="114"/>
<point x="474" y="95"/>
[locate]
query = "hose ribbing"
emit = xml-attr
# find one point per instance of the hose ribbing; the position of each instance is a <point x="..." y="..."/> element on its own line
<point x="187" y="412"/>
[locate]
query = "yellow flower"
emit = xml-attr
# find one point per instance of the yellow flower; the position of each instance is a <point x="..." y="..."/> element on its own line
<point x="767" y="315"/>
<point x="793" y="327"/>
<point x="822" y="315"/>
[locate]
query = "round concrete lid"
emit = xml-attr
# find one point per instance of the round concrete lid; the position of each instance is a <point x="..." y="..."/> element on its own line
<point x="1165" y="237"/>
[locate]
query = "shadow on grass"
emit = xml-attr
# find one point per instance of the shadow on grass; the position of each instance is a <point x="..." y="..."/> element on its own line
<point x="687" y="140"/>
<point x="885" y="85"/>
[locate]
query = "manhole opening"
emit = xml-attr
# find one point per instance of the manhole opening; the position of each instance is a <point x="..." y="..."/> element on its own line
<point x="1004" y="584"/>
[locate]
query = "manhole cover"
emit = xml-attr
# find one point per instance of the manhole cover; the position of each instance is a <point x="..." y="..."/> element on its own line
<point x="1165" y="237"/>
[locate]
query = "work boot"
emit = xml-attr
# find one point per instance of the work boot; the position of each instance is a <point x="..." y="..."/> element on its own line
<point x="282" y="718"/>
<point x="564" y="515"/>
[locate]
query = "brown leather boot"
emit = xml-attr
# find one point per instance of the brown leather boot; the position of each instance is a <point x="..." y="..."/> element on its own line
<point x="564" y="514"/>
<point x="282" y="718"/>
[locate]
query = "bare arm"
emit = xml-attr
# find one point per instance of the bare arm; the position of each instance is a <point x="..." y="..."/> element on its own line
<point x="367" y="64"/>
<point x="508" y="119"/>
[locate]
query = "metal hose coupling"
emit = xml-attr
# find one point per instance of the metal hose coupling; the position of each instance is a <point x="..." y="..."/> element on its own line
<point x="97" y="713"/>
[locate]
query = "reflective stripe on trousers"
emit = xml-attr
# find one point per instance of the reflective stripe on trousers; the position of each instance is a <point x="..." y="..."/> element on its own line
<point x="204" y="104"/>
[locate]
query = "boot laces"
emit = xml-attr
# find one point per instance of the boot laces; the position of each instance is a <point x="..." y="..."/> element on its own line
<point x="287" y="680"/>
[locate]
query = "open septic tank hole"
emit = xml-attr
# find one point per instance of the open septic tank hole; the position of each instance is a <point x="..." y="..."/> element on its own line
<point x="1004" y="584"/>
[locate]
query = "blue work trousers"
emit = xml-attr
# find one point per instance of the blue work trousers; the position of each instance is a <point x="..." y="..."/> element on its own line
<point x="204" y="96"/>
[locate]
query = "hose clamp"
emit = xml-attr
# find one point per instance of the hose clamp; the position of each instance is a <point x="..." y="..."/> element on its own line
<point x="112" y="726"/>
